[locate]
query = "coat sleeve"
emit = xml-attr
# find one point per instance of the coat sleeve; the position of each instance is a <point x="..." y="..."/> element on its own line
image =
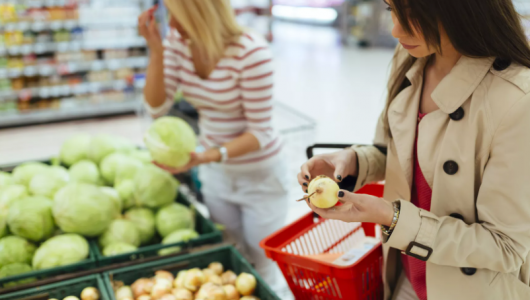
<point x="372" y="159"/>
<point x="500" y="240"/>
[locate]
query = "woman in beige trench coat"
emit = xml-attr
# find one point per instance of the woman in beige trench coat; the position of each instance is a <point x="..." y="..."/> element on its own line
<point x="465" y="65"/>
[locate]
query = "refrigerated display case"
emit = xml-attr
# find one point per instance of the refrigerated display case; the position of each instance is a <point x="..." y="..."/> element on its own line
<point x="67" y="59"/>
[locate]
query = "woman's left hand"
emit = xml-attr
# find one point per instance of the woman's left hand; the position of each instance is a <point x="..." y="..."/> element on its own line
<point x="358" y="208"/>
<point x="211" y="155"/>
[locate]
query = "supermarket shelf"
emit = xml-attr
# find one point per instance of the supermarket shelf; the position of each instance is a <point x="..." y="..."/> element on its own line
<point x="52" y="3"/>
<point x="75" y="67"/>
<point x="68" y="24"/>
<point x="39" y="48"/>
<point x="51" y="115"/>
<point x="64" y="90"/>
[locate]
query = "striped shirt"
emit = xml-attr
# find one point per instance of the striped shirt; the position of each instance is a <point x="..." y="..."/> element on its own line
<point x="235" y="98"/>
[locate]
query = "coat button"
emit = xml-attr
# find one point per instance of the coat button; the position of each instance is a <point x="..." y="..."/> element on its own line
<point x="457" y="216"/>
<point x="501" y="64"/>
<point x="450" y="167"/>
<point x="469" y="271"/>
<point x="458" y="114"/>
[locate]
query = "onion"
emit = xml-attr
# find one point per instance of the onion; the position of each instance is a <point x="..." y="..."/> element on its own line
<point x="164" y="274"/>
<point x="207" y="273"/>
<point x="231" y="292"/>
<point x="168" y="297"/>
<point x="246" y="284"/>
<point x="211" y="291"/>
<point x="229" y="277"/>
<point x="249" y="298"/>
<point x="142" y="286"/>
<point x="194" y="279"/>
<point x="216" y="267"/>
<point x="215" y="279"/>
<point x="90" y="293"/>
<point x="144" y="297"/>
<point x="324" y="191"/>
<point x="179" y="281"/>
<point x="124" y="292"/>
<point x="71" y="298"/>
<point x="161" y="287"/>
<point x="182" y="294"/>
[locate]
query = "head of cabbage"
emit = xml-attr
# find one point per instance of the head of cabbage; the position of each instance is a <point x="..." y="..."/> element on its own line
<point x="173" y="217"/>
<point x="31" y="218"/>
<point x="3" y="222"/>
<point x="14" y="249"/>
<point x="83" y="209"/>
<point x="154" y="187"/>
<point x="5" y="179"/>
<point x="115" y="197"/>
<point x="103" y="145"/>
<point x="118" y="248"/>
<point x="85" y="171"/>
<point x="141" y="155"/>
<point x="119" y="166"/>
<point x="13" y="270"/>
<point x="120" y="231"/>
<point x="125" y="189"/>
<point x="23" y="173"/>
<point x="75" y="149"/>
<point x="12" y="193"/>
<point x="144" y="220"/>
<point x="49" y="182"/>
<point x="61" y="250"/>
<point x="171" y="141"/>
<point x="180" y="235"/>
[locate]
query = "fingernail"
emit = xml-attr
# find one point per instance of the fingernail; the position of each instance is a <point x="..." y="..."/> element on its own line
<point x="341" y="194"/>
<point x="307" y="191"/>
<point x="307" y="177"/>
<point x="305" y="183"/>
<point x="339" y="178"/>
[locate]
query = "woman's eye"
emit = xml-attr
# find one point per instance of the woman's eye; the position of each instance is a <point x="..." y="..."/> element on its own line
<point x="389" y="8"/>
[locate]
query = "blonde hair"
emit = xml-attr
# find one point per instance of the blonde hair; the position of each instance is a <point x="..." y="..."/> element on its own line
<point x="210" y="24"/>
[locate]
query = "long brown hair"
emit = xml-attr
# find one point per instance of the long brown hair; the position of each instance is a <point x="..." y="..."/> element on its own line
<point x="476" y="28"/>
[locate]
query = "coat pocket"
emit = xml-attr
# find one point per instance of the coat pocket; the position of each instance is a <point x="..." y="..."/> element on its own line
<point x="507" y="286"/>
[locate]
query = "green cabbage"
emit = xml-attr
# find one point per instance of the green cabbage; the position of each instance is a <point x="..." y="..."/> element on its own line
<point x="14" y="249"/>
<point x="173" y="217"/>
<point x="16" y="269"/>
<point x="115" y="197"/>
<point x="141" y="155"/>
<point x="5" y="179"/>
<point x="125" y="189"/>
<point x="85" y="171"/>
<point x="11" y="194"/>
<point x="119" y="165"/>
<point x="181" y="235"/>
<point x="31" y="218"/>
<point x="75" y="149"/>
<point x="120" y="231"/>
<point x="61" y="250"/>
<point x="144" y="220"/>
<point x="170" y="141"/>
<point x="49" y="182"/>
<point x="118" y="248"/>
<point x="83" y="209"/>
<point x="103" y="145"/>
<point x="154" y="187"/>
<point x="3" y="222"/>
<point x="23" y="173"/>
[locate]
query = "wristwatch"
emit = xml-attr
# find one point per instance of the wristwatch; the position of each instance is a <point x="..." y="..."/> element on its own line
<point x="224" y="154"/>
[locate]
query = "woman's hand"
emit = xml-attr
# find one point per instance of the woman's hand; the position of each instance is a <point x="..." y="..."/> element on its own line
<point x="149" y="30"/>
<point x="358" y="208"/>
<point x="211" y="155"/>
<point x="337" y="165"/>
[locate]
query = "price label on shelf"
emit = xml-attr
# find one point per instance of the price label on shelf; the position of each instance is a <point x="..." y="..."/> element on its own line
<point x="70" y="24"/>
<point x="56" y="25"/>
<point x="14" y="50"/>
<point x="97" y="65"/>
<point x="23" y="26"/>
<point x="55" y="91"/>
<point x="25" y="49"/>
<point x="114" y="64"/>
<point x="30" y="71"/>
<point x="3" y="73"/>
<point x="75" y="46"/>
<point x="94" y="87"/>
<point x="65" y="90"/>
<point x="10" y="27"/>
<point x="80" y="89"/>
<point x="44" y="92"/>
<point x="40" y="48"/>
<point x="63" y="47"/>
<point x="14" y="73"/>
<point x="38" y="26"/>
<point x="46" y="70"/>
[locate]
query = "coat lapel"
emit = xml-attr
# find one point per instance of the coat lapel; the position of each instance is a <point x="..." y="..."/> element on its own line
<point x="402" y="117"/>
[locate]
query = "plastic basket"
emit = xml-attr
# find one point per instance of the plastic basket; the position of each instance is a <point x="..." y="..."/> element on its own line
<point x="313" y="279"/>
<point x="209" y="234"/>
<point x="226" y="255"/>
<point x="60" y="290"/>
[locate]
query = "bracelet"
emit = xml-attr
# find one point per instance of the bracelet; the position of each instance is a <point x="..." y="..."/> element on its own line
<point x="388" y="230"/>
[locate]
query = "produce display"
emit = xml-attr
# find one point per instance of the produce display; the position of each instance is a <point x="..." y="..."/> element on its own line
<point x="212" y="283"/>
<point x="89" y="293"/>
<point x="111" y="191"/>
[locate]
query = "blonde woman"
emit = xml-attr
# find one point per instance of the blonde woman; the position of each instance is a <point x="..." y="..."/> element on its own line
<point x="225" y="72"/>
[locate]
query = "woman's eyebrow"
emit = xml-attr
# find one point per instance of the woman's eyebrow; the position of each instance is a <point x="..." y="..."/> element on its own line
<point x="386" y="2"/>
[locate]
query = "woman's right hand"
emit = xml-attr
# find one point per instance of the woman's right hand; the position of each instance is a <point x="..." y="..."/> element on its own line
<point x="148" y="28"/>
<point x="337" y="165"/>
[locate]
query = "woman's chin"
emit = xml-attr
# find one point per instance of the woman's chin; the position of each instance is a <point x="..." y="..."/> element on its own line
<point x="418" y="52"/>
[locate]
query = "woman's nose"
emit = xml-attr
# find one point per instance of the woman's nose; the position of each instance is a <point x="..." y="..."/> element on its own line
<point x="397" y="30"/>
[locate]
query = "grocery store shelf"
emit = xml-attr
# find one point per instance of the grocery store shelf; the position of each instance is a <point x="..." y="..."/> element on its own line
<point x="67" y="24"/>
<point x="75" y="67"/>
<point x="64" y="90"/>
<point x="50" y="115"/>
<point x="39" y="48"/>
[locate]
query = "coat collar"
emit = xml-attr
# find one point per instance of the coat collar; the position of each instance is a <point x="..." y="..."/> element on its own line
<point x="449" y="95"/>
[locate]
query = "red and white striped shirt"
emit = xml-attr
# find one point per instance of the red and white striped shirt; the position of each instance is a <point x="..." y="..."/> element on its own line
<point x="235" y="98"/>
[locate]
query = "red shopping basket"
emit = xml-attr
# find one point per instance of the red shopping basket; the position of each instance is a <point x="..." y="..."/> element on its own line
<point x="317" y="280"/>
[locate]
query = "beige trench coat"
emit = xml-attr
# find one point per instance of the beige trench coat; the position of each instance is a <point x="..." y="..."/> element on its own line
<point x="475" y="154"/>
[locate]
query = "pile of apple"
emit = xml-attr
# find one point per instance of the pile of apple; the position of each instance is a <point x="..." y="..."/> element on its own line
<point x="212" y="283"/>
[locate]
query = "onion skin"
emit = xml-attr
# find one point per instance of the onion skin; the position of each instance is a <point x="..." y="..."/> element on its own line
<point x="182" y="294"/>
<point x="246" y="284"/>
<point x="142" y="286"/>
<point x="231" y="292"/>
<point x="90" y="293"/>
<point x="324" y="192"/>
<point x="229" y="277"/>
<point x="216" y="267"/>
